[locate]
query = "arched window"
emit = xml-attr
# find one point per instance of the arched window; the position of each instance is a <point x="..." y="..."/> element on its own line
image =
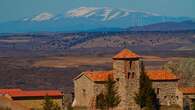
<point x="157" y="90"/>
<point x="84" y="92"/>
<point x="130" y="64"/>
<point x="133" y="75"/>
<point x="128" y="75"/>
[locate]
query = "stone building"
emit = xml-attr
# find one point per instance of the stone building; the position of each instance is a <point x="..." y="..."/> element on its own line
<point x="87" y="86"/>
<point x="31" y="99"/>
<point x="126" y="72"/>
<point x="166" y="87"/>
<point x="188" y="97"/>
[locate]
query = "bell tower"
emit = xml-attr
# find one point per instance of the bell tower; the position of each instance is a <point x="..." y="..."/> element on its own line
<point x="127" y="69"/>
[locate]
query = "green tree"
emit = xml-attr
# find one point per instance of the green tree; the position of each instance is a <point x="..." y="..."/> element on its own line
<point x="49" y="104"/>
<point x="184" y="68"/>
<point x="110" y="98"/>
<point x="146" y="96"/>
<point x="101" y="101"/>
<point x="193" y="106"/>
<point x="69" y="107"/>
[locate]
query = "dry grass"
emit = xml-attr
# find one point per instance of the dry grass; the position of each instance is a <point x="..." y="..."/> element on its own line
<point x="159" y="59"/>
<point x="65" y="62"/>
<point x="75" y="61"/>
<point x="8" y="103"/>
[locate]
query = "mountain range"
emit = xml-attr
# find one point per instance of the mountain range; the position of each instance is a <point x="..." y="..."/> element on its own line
<point x="94" y="19"/>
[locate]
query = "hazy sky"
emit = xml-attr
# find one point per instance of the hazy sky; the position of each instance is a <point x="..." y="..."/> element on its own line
<point x="18" y="9"/>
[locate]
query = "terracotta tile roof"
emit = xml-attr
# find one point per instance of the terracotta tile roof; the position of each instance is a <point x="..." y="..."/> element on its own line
<point x="33" y="93"/>
<point x="126" y="54"/>
<point x="98" y="75"/>
<point x="7" y="91"/>
<point x="188" y="90"/>
<point x="161" y="75"/>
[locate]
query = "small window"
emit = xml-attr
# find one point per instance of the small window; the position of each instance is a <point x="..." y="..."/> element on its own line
<point x="133" y="75"/>
<point x="177" y="97"/>
<point x="165" y="97"/>
<point x="117" y="79"/>
<point x="128" y="75"/>
<point x="157" y="90"/>
<point x="84" y="92"/>
<point x="130" y="63"/>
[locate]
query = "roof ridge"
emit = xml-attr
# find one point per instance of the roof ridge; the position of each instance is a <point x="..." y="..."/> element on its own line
<point x="98" y="75"/>
<point x="126" y="54"/>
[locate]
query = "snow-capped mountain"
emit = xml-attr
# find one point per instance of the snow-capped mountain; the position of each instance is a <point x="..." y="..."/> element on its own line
<point x="45" y="16"/>
<point x="87" y="18"/>
<point x="105" y="14"/>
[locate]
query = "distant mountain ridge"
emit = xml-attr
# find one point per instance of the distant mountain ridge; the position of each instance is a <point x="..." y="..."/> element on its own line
<point x="167" y="26"/>
<point x="85" y="19"/>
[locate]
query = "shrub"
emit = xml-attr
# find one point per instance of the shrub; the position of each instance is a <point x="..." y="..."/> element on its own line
<point x="146" y="98"/>
<point x="49" y="104"/>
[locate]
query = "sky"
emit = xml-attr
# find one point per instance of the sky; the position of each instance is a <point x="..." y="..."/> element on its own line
<point x="11" y="10"/>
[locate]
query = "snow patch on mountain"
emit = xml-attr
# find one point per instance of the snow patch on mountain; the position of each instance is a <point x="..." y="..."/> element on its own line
<point x="43" y="17"/>
<point x="114" y="15"/>
<point x="82" y="11"/>
<point x="90" y="14"/>
<point x="25" y="19"/>
<point x="125" y="14"/>
<point x="104" y="13"/>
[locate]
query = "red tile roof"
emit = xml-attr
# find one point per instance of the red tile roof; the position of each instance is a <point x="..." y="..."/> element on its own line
<point x="8" y="91"/>
<point x="161" y="75"/>
<point x="98" y="75"/>
<point x="33" y="93"/>
<point x="188" y="90"/>
<point x="126" y="54"/>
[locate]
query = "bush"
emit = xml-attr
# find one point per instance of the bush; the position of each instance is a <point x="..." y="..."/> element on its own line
<point x="193" y="106"/>
<point x="146" y="98"/>
<point x="49" y="104"/>
<point x="184" y="68"/>
<point x="110" y="98"/>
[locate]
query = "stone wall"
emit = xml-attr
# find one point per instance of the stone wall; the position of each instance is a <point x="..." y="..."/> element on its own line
<point x="84" y="91"/>
<point x="188" y="100"/>
<point x="99" y="87"/>
<point x="127" y="74"/>
<point x="179" y="93"/>
<point x="36" y="104"/>
<point x="167" y="92"/>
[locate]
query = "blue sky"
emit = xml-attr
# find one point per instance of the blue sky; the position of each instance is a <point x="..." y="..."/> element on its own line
<point x="17" y="9"/>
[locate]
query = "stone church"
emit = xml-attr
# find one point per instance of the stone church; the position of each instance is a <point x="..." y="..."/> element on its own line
<point x="126" y="72"/>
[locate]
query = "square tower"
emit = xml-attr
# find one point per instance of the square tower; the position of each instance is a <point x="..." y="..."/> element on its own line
<point x="126" y="71"/>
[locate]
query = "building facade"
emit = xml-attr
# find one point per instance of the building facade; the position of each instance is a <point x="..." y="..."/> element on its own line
<point x="188" y="97"/>
<point x="126" y="72"/>
<point x="32" y="99"/>
<point x="166" y="86"/>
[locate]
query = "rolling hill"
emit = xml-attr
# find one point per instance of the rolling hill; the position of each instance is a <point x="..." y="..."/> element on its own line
<point x="167" y="26"/>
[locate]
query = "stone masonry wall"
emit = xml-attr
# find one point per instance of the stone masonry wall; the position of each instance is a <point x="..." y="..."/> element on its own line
<point x="188" y="100"/>
<point x="167" y="92"/>
<point x="128" y="83"/>
<point x="133" y="84"/>
<point x="84" y="91"/>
